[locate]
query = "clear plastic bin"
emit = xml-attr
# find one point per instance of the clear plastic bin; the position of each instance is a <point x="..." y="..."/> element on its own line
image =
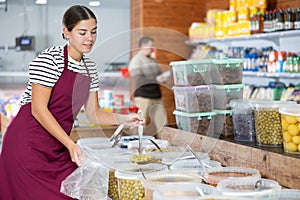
<point x="227" y="71"/>
<point x="247" y="187"/>
<point x="223" y="123"/>
<point x="191" y="72"/>
<point x="214" y="175"/>
<point x="283" y="194"/>
<point x="182" y="191"/>
<point x="243" y="119"/>
<point x="290" y="121"/>
<point x="201" y="123"/>
<point x="129" y="182"/>
<point x="156" y="180"/>
<point x="194" y="164"/>
<point x="268" y="122"/>
<point x="193" y="99"/>
<point x="223" y="94"/>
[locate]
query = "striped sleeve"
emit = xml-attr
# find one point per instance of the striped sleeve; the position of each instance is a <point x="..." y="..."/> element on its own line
<point x="93" y="70"/>
<point x="43" y="70"/>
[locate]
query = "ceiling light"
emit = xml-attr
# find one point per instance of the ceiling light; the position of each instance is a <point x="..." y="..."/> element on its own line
<point x="94" y="3"/>
<point x="41" y="1"/>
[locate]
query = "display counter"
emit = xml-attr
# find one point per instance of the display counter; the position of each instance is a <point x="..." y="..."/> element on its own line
<point x="270" y="161"/>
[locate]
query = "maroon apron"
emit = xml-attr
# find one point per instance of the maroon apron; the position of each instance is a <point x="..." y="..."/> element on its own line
<point x="33" y="163"/>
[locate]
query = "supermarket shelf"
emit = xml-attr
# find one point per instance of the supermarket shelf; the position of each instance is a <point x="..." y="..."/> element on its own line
<point x="274" y="36"/>
<point x="272" y="75"/>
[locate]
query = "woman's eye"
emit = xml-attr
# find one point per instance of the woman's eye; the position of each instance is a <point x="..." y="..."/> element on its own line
<point x="82" y="33"/>
<point x="94" y="32"/>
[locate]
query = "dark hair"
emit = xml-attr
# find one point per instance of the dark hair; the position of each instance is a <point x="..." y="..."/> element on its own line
<point x="145" y="40"/>
<point x="75" y="14"/>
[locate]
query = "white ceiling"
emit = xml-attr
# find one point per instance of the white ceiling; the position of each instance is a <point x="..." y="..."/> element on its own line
<point x="104" y="3"/>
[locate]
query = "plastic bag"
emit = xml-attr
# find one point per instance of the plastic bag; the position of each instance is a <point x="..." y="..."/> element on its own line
<point x="88" y="182"/>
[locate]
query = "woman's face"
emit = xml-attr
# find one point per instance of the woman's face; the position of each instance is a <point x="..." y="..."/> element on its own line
<point x="83" y="36"/>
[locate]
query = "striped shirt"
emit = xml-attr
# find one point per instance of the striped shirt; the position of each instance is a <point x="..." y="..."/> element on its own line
<point x="48" y="66"/>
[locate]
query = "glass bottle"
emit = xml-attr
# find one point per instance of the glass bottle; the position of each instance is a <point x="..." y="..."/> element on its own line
<point x="289" y="19"/>
<point x="279" y="20"/>
<point x="297" y="19"/>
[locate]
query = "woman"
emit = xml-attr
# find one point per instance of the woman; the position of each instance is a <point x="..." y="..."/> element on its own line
<point x="37" y="152"/>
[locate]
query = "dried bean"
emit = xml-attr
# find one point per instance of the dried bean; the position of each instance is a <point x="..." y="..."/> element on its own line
<point x="244" y="125"/>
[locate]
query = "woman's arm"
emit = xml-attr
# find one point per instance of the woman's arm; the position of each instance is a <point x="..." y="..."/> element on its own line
<point x="40" y="111"/>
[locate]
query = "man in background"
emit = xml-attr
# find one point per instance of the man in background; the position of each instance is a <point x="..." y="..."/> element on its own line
<point x="146" y="76"/>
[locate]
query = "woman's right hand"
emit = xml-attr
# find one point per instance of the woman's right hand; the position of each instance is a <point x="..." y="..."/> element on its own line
<point x="75" y="153"/>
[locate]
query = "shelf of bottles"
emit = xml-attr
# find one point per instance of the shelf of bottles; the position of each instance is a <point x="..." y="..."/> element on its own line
<point x="278" y="34"/>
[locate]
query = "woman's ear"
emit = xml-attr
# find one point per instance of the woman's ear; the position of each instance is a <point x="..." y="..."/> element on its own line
<point x="65" y="33"/>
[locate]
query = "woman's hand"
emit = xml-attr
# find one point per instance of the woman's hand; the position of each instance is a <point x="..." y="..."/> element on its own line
<point x="75" y="153"/>
<point x="130" y="120"/>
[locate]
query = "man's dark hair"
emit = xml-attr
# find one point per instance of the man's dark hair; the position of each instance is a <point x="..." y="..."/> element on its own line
<point x="145" y="40"/>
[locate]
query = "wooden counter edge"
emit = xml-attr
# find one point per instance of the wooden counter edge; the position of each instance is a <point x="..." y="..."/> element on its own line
<point x="281" y="168"/>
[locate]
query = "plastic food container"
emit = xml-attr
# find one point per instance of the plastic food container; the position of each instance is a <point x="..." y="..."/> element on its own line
<point x="227" y="71"/>
<point x="191" y="72"/>
<point x="193" y="99"/>
<point x="283" y="194"/>
<point x="223" y="123"/>
<point x="214" y="175"/>
<point x="201" y="123"/>
<point x="155" y="180"/>
<point x="182" y="191"/>
<point x="248" y="187"/>
<point x="113" y="191"/>
<point x="243" y="118"/>
<point x="223" y="94"/>
<point x="290" y="121"/>
<point x="129" y="182"/>
<point x="194" y="164"/>
<point x="268" y="122"/>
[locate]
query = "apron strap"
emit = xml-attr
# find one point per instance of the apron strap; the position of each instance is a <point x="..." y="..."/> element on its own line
<point x="66" y="60"/>
<point x="66" y="57"/>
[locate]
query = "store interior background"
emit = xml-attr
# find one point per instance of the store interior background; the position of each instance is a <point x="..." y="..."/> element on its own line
<point x="114" y="43"/>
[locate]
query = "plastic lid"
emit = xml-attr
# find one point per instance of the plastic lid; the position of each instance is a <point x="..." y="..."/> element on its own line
<point x="190" y="62"/>
<point x="94" y="142"/>
<point x="274" y="104"/>
<point x="138" y="173"/>
<point x="230" y="87"/>
<point x="248" y="186"/>
<point x="228" y="60"/>
<point x="199" y="87"/>
<point x="250" y="102"/>
<point x="223" y="112"/>
<point x="198" y="115"/>
<point x="221" y="197"/>
<point x="293" y="110"/>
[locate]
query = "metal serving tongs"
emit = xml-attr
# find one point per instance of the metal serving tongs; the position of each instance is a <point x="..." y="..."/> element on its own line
<point x="115" y="138"/>
<point x="140" y="131"/>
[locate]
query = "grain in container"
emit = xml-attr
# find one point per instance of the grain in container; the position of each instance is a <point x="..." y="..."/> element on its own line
<point x="182" y="191"/>
<point x="290" y="121"/>
<point x="268" y="122"/>
<point x="155" y="180"/>
<point x="201" y="123"/>
<point x="227" y="71"/>
<point x="193" y="99"/>
<point x="191" y="72"/>
<point x="246" y="187"/>
<point x="223" y="94"/>
<point x="223" y="123"/>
